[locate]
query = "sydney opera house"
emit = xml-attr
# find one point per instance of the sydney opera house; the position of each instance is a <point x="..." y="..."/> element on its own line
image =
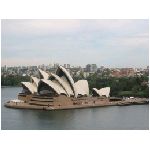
<point x="59" y="91"/>
<point x="54" y="85"/>
<point x="50" y="89"/>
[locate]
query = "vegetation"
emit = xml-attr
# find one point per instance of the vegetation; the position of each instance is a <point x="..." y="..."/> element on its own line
<point x="13" y="80"/>
<point x="123" y="86"/>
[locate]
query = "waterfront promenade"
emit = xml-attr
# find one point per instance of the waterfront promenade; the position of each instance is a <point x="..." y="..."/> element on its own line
<point x="81" y="103"/>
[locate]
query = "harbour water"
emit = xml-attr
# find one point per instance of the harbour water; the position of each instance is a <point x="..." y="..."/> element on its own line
<point x="134" y="117"/>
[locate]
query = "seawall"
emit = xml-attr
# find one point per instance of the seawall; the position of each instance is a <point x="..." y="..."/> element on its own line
<point x="82" y="104"/>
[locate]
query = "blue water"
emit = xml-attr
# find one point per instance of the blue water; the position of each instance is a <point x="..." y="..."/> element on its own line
<point x="135" y="117"/>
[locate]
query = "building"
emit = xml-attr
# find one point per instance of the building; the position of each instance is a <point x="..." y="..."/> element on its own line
<point x="101" y="92"/>
<point x="91" y="68"/>
<point x="51" y="84"/>
<point x="56" y="65"/>
<point x="123" y="72"/>
<point x="67" y="66"/>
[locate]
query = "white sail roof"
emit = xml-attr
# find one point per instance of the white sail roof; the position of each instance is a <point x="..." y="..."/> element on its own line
<point x="103" y="91"/>
<point x="63" y="83"/>
<point x="82" y="87"/>
<point x="55" y="86"/>
<point x="35" y="81"/>
<point x="68" y="78"/>
<point x="44" y="74"/>
<point x="67" y="85"/>
<point x="30" y="87"/>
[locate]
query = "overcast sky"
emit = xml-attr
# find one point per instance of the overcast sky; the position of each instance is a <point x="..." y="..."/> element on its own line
<point x="110" y="43"/>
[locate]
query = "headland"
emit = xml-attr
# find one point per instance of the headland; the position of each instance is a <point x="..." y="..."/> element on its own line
<point x="62" y="102"/>
<point x="59" y="91"/>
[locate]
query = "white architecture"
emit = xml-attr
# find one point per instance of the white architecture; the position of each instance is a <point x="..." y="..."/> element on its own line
<point x="56" y="84"/>
<point x="50" y="87"/>
<point x="63" y="83"/>
<point x="82" y="88"/>
<point x="102" y="92"/>
<point x="43" y="74"/>
<point x="35" y="81"/>
<point x="29" y="88"/>
<point x="67" y="79"/>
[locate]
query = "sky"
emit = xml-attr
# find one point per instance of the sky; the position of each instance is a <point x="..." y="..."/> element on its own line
<point x="109" y="43"/>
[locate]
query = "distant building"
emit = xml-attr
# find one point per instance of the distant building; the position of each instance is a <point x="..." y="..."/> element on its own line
<point x="67" y="66"/>
<point x="91" y="67"/>
<point x="148" y="67"/>
<point x="123" y="72"/>
<point x="56" y="65"/>
<point x="101" y="68"/>
<point x="4" y="68"/>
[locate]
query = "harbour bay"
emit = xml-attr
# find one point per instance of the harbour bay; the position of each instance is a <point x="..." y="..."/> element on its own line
<point x="135" y="117"/>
